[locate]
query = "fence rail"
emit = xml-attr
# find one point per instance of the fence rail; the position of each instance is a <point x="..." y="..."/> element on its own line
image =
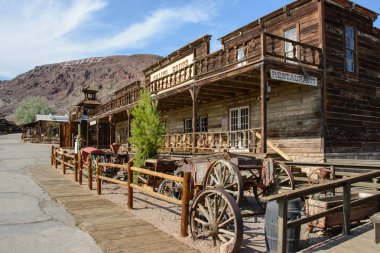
<point x="184" y="202"/>
<point x="346" y="183"/>
<point x="66" y="160"/>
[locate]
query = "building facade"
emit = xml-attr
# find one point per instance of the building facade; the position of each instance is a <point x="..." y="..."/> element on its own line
<point x="302" y="82"/>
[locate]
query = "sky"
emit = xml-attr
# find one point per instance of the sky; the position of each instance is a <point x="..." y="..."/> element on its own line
<point x="39" y="32"/>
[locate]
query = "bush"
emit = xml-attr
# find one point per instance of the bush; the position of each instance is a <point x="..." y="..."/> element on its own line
<point x="27" y="110"/>
<point x="146" y="129"/>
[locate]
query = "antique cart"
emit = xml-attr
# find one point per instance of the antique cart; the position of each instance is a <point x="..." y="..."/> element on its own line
<point x="218" y="185"/>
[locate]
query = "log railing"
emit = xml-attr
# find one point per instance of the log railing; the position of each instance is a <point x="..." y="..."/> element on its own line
<point x="176" y="78"/>
<point x="185" y="181"/>
<point x="283" y="198"/>
<point x="208" y="141"/>
<point x="66" y="160"/>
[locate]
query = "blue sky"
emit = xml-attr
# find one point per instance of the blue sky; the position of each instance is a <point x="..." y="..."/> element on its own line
<point x="46" y="31"/>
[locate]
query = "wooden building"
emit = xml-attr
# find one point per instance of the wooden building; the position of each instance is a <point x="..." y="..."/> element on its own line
<point x="78" y="119"/>
<point x="302" y="81"/>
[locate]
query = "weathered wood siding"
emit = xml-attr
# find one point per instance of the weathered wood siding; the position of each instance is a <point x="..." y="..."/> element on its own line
<point x="353" y="100"/>
<point x="304" y="16"/>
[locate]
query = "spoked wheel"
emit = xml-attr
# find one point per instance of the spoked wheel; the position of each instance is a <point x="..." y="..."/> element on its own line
<point x="259" y="192"/>
<point x="225" y="175"/>
<point x="214" y="214"/>
<point x="276" y="178"/>
<point x="283" y="179"/>
<point x="171" y="189"/>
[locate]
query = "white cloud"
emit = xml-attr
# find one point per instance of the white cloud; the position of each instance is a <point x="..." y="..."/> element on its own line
<point x="41" y="32"/>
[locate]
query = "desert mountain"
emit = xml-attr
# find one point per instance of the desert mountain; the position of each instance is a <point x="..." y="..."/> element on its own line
<point x="61" y="83"/>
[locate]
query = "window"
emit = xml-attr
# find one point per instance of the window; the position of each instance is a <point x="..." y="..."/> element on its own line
<point x="289" y="49"/>
<point x="187" y="126"/>
<point x="240" y="56"/>
<point x="239" y="120"/>
<point x="349" y="49"/>
<point x="203" y="124"/>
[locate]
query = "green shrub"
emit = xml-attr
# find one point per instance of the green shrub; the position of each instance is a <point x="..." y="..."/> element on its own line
<point x="146" y="129"/>
<point x="27" y="110"/>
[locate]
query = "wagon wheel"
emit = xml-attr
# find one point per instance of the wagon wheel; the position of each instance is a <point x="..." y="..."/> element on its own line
<point x="282" y="180"/>
<point x="171" y="189"/>
<point x="225" y="175"/>
<point x="214" y="214"/>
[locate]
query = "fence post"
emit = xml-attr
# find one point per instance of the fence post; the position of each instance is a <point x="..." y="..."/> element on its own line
<point x="80" y="167"/>
<point x="63" y="162"/>
<point x="282" y="224"/>
<point x="76" y="167"/>
<point x="346" y="208"/>
<point x="185" y="205"/>
<point x="55" y="159"/>
<point x="98" y="180"/>
<point x="130" y="189"/>
<point x="52" y="155"/>
<point x="89" y="172"/>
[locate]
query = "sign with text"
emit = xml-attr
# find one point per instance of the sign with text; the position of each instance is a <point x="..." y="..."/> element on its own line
<point x="293" y="78"/>
<point x="92" y="122"/>
<point x="171" y="68"/>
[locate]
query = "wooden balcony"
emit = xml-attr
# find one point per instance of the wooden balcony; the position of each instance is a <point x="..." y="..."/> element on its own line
<point x="253" y="51"/>
<point x="173" y="80"/>
<point x="209" y="142"/>
<point x="129" y="98"/>
<point x="235" y="60"/>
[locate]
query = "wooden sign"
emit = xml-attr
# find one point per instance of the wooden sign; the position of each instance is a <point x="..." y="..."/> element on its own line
<point x="171" y="68"/>
<point x="293" y="78"/>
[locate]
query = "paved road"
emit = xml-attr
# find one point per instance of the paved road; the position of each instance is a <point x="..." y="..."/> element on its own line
<point x="29" y="220"/>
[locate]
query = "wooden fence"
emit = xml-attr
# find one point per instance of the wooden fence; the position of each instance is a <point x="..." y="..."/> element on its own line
<point x="341" y="169"/>
<point x="60" y="156"/>
<point x="184" y="202"/>
<point x="283" y="199"/>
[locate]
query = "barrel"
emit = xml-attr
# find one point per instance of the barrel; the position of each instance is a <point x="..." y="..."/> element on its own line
<point x="271" y="223"/>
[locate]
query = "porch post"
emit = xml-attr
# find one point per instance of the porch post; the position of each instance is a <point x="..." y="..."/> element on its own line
<point x="110" y="122"/>
<point x="88" y="132"/>
<point x="263" y="105"/>
<point x="194" y="96"/>
<point x="128" y="123"/>
<point x="97" y="133"/>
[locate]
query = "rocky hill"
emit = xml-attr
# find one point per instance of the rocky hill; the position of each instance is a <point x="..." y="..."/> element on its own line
<point x="61" y="83"/>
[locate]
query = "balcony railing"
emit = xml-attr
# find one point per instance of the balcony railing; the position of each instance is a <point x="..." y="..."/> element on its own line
<point x="183" y="75"/>
<point x="231" y="58"/>
<point x="223" y="60"/>
<point x="129" y="98"/>
<point x="211" y="141"/>
<point x="300" y="53"/>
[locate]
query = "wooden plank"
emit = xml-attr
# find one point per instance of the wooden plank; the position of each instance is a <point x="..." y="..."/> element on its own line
<point x="113" y="229"/>
<point x="321" y="187"/>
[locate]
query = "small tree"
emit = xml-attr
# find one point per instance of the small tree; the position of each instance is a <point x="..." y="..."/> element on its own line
<point x="27" y="110"/>
<point x="146" y="129"/>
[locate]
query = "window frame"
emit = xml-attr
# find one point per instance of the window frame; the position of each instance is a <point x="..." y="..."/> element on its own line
<point x="296" y="27"/>
<point x="201" y="128"/>
<point x="345" y="48"/>
<point x="185" y="126"/>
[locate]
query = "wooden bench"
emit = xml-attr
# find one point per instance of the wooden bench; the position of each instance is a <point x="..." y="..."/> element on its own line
<point x="376" y="221"/>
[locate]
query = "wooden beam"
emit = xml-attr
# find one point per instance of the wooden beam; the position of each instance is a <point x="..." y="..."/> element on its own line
<point x="263" y="106"/>
<point x="346" y="208"/>
<point x="282" y="225"/>
<point x="194" y="91"/>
